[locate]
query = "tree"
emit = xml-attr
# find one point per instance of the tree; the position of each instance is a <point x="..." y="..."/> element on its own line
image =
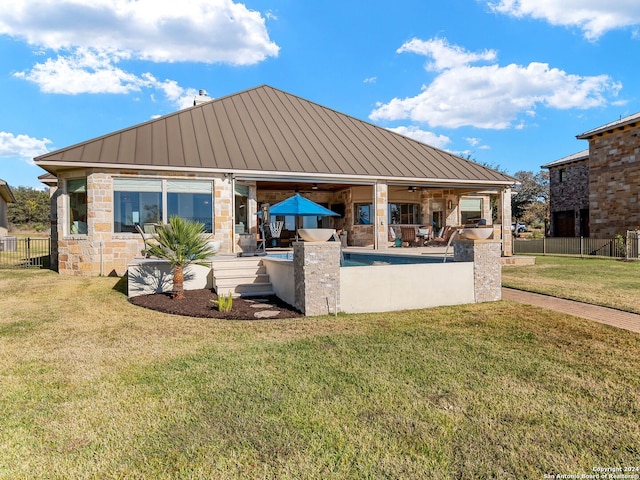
<point x="531" y="201"/>
<point x="181" y="243"/>
<point x="31" y="207"/>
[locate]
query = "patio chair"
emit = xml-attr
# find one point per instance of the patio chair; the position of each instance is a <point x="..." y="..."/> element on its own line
<point x="425" y="232"/>
<point x="442" y="240"/>
<point x="410" y="235"/>
<point x="144" y="239"/>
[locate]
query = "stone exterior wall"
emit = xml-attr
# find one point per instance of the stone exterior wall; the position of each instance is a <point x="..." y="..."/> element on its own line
<point x="572" y="194"/>
<point x="614" y="182"/>
<point x="316" y="271"/>
<point x="487" y="268"/>
<point x="103" y="252"/>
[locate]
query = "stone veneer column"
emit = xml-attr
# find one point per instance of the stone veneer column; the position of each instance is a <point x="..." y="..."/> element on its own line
<point x="487" y="268"/>
<point x="316" y="274"/>
<point x="223" y="212"/>
<point x="382" y="222"/>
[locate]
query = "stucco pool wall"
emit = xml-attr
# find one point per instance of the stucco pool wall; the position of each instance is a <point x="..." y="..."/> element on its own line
<point x="389" y="283"/>
<point x="387" y="288"/>
<point x="280" y="271"/>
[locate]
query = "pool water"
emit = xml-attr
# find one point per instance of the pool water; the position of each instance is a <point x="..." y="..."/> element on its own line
<point x="368" y="259"/>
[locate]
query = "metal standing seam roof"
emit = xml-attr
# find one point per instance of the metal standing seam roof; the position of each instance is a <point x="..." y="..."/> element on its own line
<point x="574" y="157"/>
<point x="267" y="131"/>
<point x="6" y="193"/>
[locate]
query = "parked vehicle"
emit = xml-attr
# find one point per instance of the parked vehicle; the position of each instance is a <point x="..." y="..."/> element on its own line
<point x="518" y="227"/>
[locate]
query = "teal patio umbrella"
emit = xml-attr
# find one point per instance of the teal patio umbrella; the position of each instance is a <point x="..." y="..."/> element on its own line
<point x="300" y="206"/>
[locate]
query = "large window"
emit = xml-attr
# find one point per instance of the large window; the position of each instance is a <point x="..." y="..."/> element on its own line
<point x="241" y="206"/>
<point x="143" y="202"/>
<point x="470" y="210"/>
<point x="191" y="200"/>
<point x="363" y="213"/>
<point x="77" y="193"/>
<point x="404" y="213"/>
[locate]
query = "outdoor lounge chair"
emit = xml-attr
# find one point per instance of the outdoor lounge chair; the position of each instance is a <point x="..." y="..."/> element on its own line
<point x="144" y="239"/>
<point x="425" y="232"/>
<point x="410" y="236"/>
<point x="444" y="239"/>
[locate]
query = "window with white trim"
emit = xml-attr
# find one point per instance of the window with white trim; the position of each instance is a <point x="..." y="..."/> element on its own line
<point x="77" y="195"/>
<point x="404" y="213"/>
<point x="363" y="213"/>
<point x="470" y="210"/>
<point x="144" y="202"/>
<point x="191" y="200"/>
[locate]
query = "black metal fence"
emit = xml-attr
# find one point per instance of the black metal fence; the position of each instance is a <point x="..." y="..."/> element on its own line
<point x="25" y="252"/>
<point x="618" y="247"/>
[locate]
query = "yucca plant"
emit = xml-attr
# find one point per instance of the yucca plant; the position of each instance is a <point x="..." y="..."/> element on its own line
<point x="181" y="243"/>
<point x="224" y="303"/>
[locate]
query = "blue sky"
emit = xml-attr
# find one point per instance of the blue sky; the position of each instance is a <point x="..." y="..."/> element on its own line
<point x="508" y="82"/>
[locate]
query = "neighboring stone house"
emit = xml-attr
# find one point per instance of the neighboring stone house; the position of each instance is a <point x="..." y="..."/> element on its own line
<point x="6" y="197"/>
<point x="569" y="195"/>
<point x="221" y="160"/>
<point x="608" y="174"/>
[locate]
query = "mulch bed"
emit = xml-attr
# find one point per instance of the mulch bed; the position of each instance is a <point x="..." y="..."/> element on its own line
<point x="198" y="303"/>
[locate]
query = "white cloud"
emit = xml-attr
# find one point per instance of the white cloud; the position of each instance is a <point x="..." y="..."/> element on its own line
<point x="370" y="80"/>
<point x="207" y="31"/>
<point x="490" y="96"/>
<point x="22" y="146"/>
<point x="593" y="17"/>
<point x="472" y="141"/>
<point x="92" y="37"/>
<point x="181" y="97"/>
<point x="91" y="71"/>
<point x="430" y="138"/>
<point x="443" y="54"/>
<point x="84" y="71"/>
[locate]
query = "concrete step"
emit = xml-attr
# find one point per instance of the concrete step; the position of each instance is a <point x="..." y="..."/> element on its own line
<point x="231" y="280"/>
<point x="229" y="271"/>
<point x="246" y="290"/>
<point x="240" y="276"/>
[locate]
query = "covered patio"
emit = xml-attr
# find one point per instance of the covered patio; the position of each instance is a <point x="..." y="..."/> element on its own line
<point x="373" y="216"/>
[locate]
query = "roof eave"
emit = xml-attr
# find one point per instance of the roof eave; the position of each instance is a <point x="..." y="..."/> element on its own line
<point x="6" y="193"/>
<point x="56" y="166"/>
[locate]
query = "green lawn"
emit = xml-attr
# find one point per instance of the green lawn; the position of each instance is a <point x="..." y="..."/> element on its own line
<point x="608" y="282"/>
<point x="93" y="387"/>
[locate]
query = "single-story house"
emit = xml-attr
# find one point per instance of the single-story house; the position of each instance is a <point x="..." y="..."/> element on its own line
<point x="6" y="197"/>
<point x="221" y="160"/>
<point x="596" y="192"/>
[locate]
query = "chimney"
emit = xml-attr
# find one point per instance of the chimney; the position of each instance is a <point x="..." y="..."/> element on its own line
<point x="202" y="97"/>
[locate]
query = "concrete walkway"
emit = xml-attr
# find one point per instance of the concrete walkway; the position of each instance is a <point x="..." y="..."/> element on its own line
<point x="608" y="316"/>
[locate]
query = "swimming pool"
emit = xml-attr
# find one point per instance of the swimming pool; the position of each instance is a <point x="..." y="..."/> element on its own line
<point x="351" y="259"/>
<point x="367" y="259"/>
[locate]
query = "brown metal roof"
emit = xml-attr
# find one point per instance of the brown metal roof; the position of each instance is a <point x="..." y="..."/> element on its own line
<point x="265" y="131"/>
<point x="6" y="193"/>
